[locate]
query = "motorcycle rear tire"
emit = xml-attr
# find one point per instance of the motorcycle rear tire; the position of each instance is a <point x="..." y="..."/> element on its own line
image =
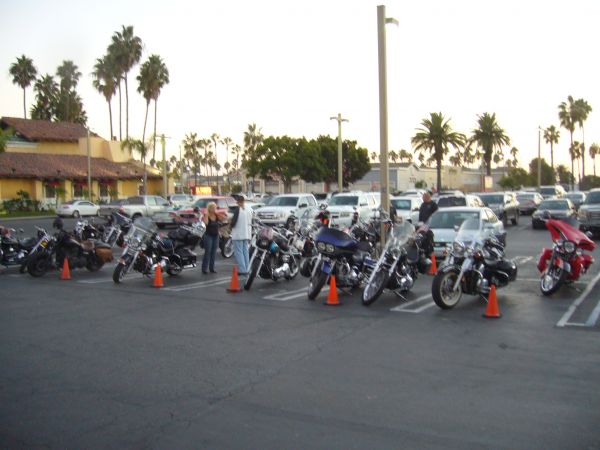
<point x="252" y="274"/>
<point x="380" y="281"/>
<point x="39" y="265"/>
<point x="559" y="281"/>
<point x="119" y="273"/>
<point x="94" y="265"/>
<point x="436" y="288"/>
<point x="316" y="284"/>
<point x="226" y="246"/>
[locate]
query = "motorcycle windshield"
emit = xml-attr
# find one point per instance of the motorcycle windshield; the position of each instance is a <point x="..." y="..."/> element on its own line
<point x="401" y="233"/>
<point x="142" y="228"/>
<point x="472" y="230"/>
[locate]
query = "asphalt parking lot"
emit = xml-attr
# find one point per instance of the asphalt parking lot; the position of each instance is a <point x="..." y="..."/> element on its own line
<point x="86" y="363"/>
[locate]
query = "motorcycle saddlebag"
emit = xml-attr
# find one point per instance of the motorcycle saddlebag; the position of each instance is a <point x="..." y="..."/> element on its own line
<point x="104" y="254"/>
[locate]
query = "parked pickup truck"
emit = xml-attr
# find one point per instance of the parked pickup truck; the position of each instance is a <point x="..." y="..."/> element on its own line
<point x="139" y="205"/>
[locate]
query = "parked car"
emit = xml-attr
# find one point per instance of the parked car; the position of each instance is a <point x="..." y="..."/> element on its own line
<point x="576" y="197"/>
<point x="144" y="205"/>
<point x="559" y="208"/>
<point x="180" y="199"/>
<point x="444" y="201"/>
<point x="413" y="193"/>
<point x="528" y="202"/>
<point x="77" y="208"/>
<point x="407" y="208"/>
<point x="504" y="204"/>
<point x="280" y="209"/>
<point x="555" y="191"/>
<point x="112" y="206"/>
<point x="589" y="212"/>
<point x="192" y="213"/>
<point x="445" y="222"/>
<point x="343" y="206"/>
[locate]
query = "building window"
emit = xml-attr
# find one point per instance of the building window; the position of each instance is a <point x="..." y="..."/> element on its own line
<point x="50" y="191"/>
<point x="78" y="190"/>
<point x="104" y="190"/>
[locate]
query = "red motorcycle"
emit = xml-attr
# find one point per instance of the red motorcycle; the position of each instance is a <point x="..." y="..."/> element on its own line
<point x="565" y="262"/>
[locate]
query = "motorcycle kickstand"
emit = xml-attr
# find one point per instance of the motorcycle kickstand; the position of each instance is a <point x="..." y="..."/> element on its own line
<point x="398" y="294"/>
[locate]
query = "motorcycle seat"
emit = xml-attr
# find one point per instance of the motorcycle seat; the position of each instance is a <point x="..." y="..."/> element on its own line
<point x="102" y="245"/>
<point x="28" y="243"/>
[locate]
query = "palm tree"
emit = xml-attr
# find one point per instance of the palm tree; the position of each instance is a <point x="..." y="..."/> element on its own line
<point x="24" y="73"/>
<point x="46" y="98"/>
<point x="106" y="81"/>
<point x="514" y="153"/>
<point x="594" y="151"/>
<point x="404" y="155"/>
<point x="227" y="141"/>
<point x="583" y="111"/>
<point x="490" y="138"/>
<point x="551" y="136"/>
<point x="190" y="146"/>
<point x="393" y="156"/>
<point x="137" y="145"/>
<point x="567" y="115"/>
<point x="69" y="75"/>
<point x="253" y="137"/>
<point x="575" y="154"/>
<point x="435" y="136"/>
<point x="374" y="156"/>
<point x="127" y="49"/>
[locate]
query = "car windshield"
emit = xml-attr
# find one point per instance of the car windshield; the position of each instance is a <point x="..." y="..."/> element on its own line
<point x="284" y="201"/>
<point x="548" y="191"/>
<point x="575" y="196"/>
<point x="400" y="204"/>
<point x="523" y="197"/>
<point x="344" y="200"/>
<point x="553" y="204"/>
<point x="593" y="197"/>
<point x="492" y="199"/>
<point x="70" y="202"/>
<point x="450" y="219"/>
<point x="452" y="201"/>
<point x="202" y="202"/>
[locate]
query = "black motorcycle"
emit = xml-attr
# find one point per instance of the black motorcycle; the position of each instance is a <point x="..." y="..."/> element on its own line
<point x="116" y="228"/>
<point x="475" y="262"/>
<point x="14" y="249"/>
<point x="145" y="249"/>
<point x="53" y="251"/>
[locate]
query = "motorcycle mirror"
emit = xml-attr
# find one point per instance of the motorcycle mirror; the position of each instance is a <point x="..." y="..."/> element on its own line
<point x="589" y="234"/>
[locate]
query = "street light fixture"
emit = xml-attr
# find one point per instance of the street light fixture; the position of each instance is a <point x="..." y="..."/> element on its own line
<point x="339" y="121"/>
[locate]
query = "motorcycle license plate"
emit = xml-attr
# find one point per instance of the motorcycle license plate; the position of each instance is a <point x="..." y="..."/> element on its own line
<point x="326" y="267"/>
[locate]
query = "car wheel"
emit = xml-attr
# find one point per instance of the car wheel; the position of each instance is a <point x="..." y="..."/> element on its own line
<point x="515" y="219"/>
<point x="76" y="214"/>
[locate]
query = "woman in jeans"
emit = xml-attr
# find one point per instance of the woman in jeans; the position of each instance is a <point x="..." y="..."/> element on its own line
<point x="211" y="237"/>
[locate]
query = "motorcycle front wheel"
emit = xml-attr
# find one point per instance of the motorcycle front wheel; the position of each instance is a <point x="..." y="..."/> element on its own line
<point x="252" y="274"/>
<point x="316" y="284"/>
<point x="552" y="279"/>
<point x="374" y="289"/>
<point x="442" y="289"/>
<point x="226" y="246"/>
<point x="294" y="268"/>
<point x="119" y="273"/>
<point x="39" y="265"/>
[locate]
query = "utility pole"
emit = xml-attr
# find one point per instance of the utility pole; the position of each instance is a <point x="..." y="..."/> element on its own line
<point x="89" y="164"/>
<point x="340" y="168"/>
<point x="383" y="115"/>
<point x="165" y="186"/>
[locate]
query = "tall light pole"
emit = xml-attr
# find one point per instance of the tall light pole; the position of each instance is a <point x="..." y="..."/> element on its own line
<point x="383" y="117"/>
<point x="89" y="166"/>
<point x="339" y="121"/>
<point x="539" y="177"/>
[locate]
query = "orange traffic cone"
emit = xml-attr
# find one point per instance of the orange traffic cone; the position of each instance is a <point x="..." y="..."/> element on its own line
<point x="332" y="297"/>
<point x="158" y="279"/>
<point x="234" y="286"/>
<point x="65" y="274"/>
<point x="433" y="267"/>
<point x="492" y="311"/>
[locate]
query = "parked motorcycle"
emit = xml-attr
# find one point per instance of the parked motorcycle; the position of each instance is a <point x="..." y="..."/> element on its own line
<point x="52" y="252"/>
<point x="115" y="229"/>
<point x="272" y="257"/>
<point x="340" y="254"/>
<point x="145" y="249"/>
<point x="475" y="262"/>
<point x="84" y="230"/>
<point x="13" y="248"/>
<point x="401" y="260"/>
<point x="565" y="262"/>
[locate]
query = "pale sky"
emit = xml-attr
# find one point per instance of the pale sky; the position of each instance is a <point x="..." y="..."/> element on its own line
<point x="289" y="66"/>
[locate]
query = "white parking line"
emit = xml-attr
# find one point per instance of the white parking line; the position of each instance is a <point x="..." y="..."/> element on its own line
<point x="564" y="320"/>
<point x="406" y="306"/>
<point x="287" y="295"/>
<point x="200" y="284"/>
<point x="591" y="322"/>
<point x="95" y="281"/>
<point x="519" y="260"/>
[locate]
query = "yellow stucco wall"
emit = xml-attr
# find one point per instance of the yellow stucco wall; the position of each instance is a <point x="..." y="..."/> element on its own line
<point x="10" y="187"/>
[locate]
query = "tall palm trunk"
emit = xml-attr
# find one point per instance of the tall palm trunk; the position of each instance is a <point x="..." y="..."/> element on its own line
<point x="145" y="151"/>
<point x="572" y="165"/>
<point x="127" y="110"/>
<point x="582" y="152"/>
<point x="594" y="163"/>
<point x="24" y="105"/>
<point x="552" y="154"/>
<point x="110" y="119"/>
<point x="120" y="113"/>
<point x="154" y="140"/>
<point x="438" y="163"/>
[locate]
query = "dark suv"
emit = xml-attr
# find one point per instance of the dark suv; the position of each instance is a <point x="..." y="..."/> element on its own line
<point x="504" y="205"/>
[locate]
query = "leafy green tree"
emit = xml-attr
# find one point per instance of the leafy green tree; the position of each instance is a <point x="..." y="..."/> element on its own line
<point x="490" y="138"/>
<point x="594" y="151"/>
<point x="105" y="81"/>
<point x="564" y="176"/>
<point x="126" y="49"/>
<point x="517" y="178"/>
<point x="153" y="76"/>
<point x="551" y="136"/>
<point x="548" y="173"/>
<point x="589" y="182"/>
<point x="47" y="93"/>
<point x="5" y="135"/>
<point x="253" y="137"/>
<point x="24" y="73"/>
<point x="355" y="160"/>
<point x="435" y="137"/>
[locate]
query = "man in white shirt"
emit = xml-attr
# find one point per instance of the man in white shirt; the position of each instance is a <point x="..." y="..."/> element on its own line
<point x="241" y="233"/>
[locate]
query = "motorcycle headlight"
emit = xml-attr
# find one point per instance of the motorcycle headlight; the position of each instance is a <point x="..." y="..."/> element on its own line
<point x="321" y="246"/>
<point x="458" y="247"/>
<point x="330" y="248"/>
<point x="569" y="246"/>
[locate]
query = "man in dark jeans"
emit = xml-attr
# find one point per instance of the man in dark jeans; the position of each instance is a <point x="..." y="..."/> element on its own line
<point x="428" y="207"/>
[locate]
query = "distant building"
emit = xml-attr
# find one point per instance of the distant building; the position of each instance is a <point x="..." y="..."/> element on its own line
<point x="43" y="156"/>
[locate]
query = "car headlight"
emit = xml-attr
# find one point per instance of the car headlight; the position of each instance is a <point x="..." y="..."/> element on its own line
<point x="458" y="247"/>
<point x="569" y="246"/>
